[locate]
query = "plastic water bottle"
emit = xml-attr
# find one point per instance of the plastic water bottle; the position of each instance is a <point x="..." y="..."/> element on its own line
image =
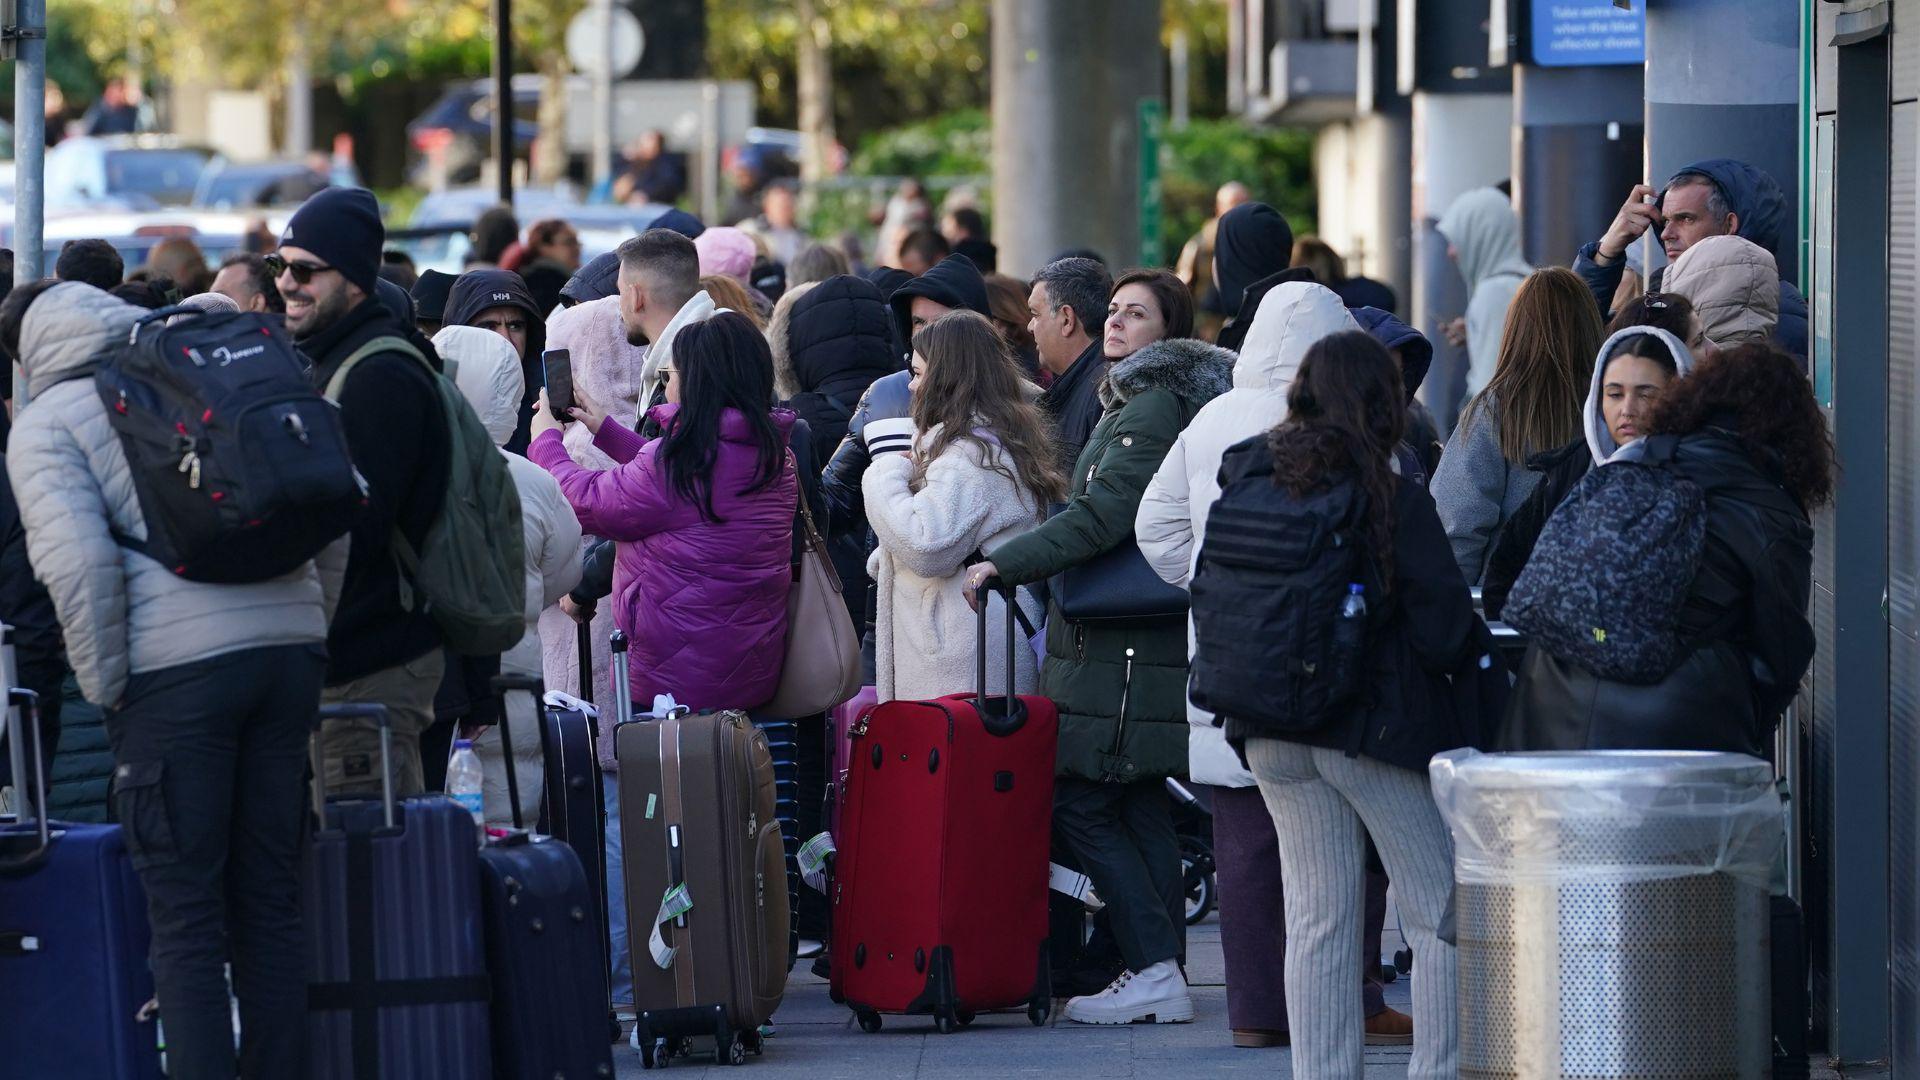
<point x="465" y="782"/>
<point x="1354" y="607"/>
<point x="1349" y="640"/>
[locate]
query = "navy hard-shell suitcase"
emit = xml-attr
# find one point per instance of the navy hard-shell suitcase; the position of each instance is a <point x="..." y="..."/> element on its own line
<point x="73" y="948"/>
<point x="571" y="807"/>
<point x="397" y="976"/>
<point x="546" y="949"/>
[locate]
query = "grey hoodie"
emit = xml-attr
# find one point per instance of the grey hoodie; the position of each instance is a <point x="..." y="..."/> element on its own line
<point x="1485" y="234"/>
<point x="122" y="612"/>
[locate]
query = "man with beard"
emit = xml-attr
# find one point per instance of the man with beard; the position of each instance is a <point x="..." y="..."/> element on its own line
<point x="379" y="647"/>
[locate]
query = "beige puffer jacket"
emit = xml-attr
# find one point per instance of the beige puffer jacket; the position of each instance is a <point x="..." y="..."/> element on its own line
<point x="122" y="612"/>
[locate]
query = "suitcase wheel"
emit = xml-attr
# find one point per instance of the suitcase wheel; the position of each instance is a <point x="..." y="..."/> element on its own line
<point x="1403" y="960"/>
<point x="943" y="1022"/>
<point x="1038" y="1011"/>
<point x="966" y="1018"/>
<point x="869" y="1020"/>
<point x="736" y="1051"/>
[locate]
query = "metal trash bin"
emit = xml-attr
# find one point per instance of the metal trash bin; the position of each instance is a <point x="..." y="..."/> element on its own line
<point x="1611" y="912"/>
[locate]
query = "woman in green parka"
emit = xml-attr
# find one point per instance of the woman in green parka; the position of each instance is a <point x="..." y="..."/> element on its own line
<point x="1110" y="804"/>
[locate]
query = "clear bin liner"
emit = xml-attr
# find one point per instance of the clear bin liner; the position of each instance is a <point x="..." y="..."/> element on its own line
<point x="1608" y="816"/>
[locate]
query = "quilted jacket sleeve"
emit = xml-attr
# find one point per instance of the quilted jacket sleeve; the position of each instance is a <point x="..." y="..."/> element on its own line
<point x="627" y="503"/>
<point x="71" y="546"/>
<point x="1164" y="526"/>
<point x="1100" y="517"/>
<point x="559" y="554"/>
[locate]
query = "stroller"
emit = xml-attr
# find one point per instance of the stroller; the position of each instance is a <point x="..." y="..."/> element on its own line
<point x="1193" y="824"/>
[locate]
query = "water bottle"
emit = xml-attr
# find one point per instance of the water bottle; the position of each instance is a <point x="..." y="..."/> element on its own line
<point x="1349" y="641"/>
<point x="465" y="782"/>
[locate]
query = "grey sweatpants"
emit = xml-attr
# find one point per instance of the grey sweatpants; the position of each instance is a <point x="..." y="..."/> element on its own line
<point x="1320" y="801"/>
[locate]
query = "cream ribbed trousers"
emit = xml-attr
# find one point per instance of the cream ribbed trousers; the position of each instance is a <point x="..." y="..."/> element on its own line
<point x="1320" y="800"/>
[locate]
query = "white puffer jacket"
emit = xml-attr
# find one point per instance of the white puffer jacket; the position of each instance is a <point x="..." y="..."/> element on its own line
<point x="123" y="613"/>
<point x="924" y="642"/>
<point x="488" y="374"/>
<point x="1172" y="521"/>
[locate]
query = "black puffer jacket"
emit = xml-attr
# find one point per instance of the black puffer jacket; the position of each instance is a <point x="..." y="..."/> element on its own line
<point x="839" y="339"/>
<point x="1748" y="603"/>
<point x="1559" y="471"/>
<point x="1424" y="631"/>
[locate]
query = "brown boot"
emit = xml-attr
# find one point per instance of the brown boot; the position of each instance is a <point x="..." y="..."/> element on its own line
<point x="1258" y="1038"/>
<point x="1389" y="1028"/>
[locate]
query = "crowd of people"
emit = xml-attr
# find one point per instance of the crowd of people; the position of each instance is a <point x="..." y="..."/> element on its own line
<point x="1247" y="562"/>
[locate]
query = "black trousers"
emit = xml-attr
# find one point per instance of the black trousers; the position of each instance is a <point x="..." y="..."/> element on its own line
<point x="210" y="768"/>
<point x="1122" y="836"/>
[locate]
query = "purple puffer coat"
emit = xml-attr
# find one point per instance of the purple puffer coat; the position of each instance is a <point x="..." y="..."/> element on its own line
<point x="703" y="602"/>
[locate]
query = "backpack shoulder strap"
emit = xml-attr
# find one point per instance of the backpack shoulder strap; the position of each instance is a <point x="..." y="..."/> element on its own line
<point x="387" y="343"/>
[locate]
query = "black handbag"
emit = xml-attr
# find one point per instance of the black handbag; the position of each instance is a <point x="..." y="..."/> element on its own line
<point x="1117" y="586"/>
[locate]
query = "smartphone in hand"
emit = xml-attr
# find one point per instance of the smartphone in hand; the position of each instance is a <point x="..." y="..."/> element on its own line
<point x="558" y="367"/>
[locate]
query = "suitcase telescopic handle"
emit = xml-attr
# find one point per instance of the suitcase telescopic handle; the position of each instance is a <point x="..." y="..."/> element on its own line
<point x="29" y="779"/>
<point x="1013" y="717"/>
<point x="622" y="688"/>
<point x="502" y="686"/>
<point x="348" y="711"/>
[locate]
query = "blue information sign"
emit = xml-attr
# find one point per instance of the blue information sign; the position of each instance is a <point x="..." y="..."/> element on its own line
<point x="1568" y="33"/>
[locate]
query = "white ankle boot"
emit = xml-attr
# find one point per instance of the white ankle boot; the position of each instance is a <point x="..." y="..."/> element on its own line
<point x="1157" y="995"/>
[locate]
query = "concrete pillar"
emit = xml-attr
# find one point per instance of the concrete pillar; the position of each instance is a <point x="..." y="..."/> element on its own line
<point x="1363" y="191"/>
<point x="1068" y="79"/>
<point x="1577" y="152"/>
<point x="1723" y="80"/>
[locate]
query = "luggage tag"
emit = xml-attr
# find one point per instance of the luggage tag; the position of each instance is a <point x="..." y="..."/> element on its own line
<point x="813" y="860"/>
<point x="675" y="903"/>
<point x="560" y="699"/>
<point x="1074" y="884"/>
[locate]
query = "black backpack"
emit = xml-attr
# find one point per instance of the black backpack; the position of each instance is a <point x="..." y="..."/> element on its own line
<point x="1611" y="571"/>
<point x="240" y="465"/>
<point x="1271" y="650"/>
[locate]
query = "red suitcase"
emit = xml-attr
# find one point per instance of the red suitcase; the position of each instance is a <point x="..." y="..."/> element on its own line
<point x="940" y="881"/>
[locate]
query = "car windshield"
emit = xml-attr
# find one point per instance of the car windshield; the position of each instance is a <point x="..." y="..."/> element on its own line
<point x="164" y="175"/>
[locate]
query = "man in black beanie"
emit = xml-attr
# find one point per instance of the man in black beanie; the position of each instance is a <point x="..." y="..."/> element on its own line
<point x="380" y="647"/>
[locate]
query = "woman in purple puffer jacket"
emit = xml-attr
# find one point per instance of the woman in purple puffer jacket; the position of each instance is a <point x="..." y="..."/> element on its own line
<point x="703" y="517"/>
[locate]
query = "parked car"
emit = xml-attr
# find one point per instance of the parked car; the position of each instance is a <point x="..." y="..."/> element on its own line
<point x="459" y="126"/>
<point x="245" y="185"/>
<point x="134" y="172"/>
<point x="437" y="236"/>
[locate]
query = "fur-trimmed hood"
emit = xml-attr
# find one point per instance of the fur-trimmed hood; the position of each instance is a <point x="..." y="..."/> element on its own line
<point x="1185" y="367"/>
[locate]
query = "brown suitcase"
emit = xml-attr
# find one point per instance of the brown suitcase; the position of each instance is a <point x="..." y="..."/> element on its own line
<point x="697" y="810"/>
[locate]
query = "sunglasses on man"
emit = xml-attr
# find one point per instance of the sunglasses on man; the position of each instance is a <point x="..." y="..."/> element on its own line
<point x="301" y="270"/>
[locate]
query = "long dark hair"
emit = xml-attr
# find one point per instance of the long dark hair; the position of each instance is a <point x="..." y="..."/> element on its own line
<point x="1346" y="412"/>
<point x="972" y="382"/>
<point x="1760" y="393"/>
<point x="723" y="363"/>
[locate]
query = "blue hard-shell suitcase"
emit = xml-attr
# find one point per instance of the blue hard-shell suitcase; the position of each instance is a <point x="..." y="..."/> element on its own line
<point x="397" y="977"/>
<point x="546" y="947"/>
<point x="73" y="946"/>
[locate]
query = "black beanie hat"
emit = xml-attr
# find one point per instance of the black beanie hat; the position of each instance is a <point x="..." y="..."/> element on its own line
<point x="342" y="226"/>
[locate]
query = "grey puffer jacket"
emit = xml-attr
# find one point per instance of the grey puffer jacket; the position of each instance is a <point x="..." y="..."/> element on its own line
<point x="122" y="612"/>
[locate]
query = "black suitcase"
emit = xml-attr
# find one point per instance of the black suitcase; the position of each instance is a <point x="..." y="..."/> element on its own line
<point x="396" y="979"/>
<point x="546" y="948"/>
<point x="1791" y="1005"/>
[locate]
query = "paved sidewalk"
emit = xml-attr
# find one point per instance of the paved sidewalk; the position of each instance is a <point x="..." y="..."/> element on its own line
<point x="818" y="1040"/>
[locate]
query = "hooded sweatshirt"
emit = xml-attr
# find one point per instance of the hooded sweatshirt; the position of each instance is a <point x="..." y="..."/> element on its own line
<point x="1416" y="358"/>
<point x="1558" y="471"/>
<point x="1734" y="288"/>
<point x="1482" y="227"/>
<point x="477" y="291"/>
<point x="122" y="613"/>
<point x="954" y="282"/>
<point x="1171" y="524"/>
<point x="1762" y="210"/>
<point x="488" y="375"/>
